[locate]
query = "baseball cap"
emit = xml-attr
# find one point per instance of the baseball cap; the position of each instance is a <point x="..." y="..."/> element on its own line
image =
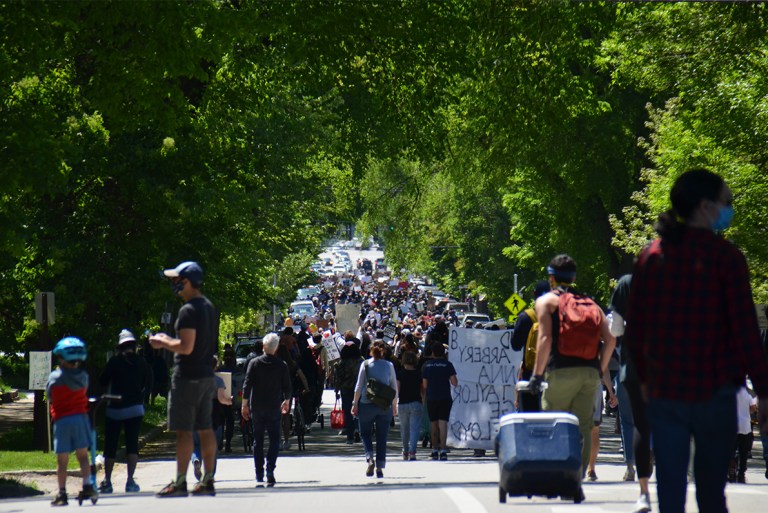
<point x="125" y="337"/>
<point x="189" y="270"/>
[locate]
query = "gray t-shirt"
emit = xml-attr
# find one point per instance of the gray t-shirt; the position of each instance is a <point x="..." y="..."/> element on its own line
<point x="381" y="370"/>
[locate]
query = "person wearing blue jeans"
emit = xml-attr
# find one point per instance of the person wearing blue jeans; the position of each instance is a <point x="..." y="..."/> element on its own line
<point x="627" y="430"/>
<point x="410" y="391"/>
<point x="370" y="414"/>
<point x="712" y="424"/>
<point x="197" y="457"/>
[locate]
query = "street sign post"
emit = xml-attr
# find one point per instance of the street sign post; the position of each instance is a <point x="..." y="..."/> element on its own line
<point x="45" y="314"/>
<point x="515" y="304"/>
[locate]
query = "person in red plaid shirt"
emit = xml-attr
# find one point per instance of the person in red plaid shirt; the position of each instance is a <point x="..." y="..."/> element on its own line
<point x="692" y="331"/>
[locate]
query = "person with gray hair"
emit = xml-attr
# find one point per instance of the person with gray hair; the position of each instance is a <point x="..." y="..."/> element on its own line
<point x="266" y="396"/>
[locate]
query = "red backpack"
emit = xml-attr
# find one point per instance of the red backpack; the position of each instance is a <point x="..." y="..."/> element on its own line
<point x="580" y="320"/>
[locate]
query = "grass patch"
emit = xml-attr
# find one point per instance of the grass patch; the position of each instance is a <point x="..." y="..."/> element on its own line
<point x="12" y="461"/>
<point x="154" y="415"/>
<point x="17" y="448"/>
<point x="19" y="439"/>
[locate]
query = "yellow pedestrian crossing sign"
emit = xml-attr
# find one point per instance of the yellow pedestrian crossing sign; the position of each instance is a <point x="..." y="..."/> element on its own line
<point x="515" y="304"/>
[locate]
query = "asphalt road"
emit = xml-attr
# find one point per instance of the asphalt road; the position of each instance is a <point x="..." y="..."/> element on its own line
<point x="329" y="477"/>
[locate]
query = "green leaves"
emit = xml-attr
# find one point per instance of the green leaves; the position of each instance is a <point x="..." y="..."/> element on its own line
<point x="477" y="139"/>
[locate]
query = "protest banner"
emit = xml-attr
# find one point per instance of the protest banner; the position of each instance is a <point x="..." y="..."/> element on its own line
<point x="486" y="367"/>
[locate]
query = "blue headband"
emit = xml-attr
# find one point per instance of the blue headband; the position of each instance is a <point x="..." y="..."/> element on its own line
<point x="563" y="276"/>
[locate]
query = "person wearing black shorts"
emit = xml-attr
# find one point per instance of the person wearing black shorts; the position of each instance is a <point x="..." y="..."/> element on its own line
<point x="438" y="374"/>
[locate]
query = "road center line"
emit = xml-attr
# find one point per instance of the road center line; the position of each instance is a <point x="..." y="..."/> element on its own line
<point x="465" y="501"/>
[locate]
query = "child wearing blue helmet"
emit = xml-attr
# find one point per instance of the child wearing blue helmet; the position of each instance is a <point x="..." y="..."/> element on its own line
<point x="67" y="392"/>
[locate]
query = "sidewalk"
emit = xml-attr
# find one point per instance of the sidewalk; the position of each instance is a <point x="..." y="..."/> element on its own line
<point x="18" y="413"/>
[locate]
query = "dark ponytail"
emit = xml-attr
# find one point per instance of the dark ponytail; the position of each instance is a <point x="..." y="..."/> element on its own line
<point x="689" y="190"/>
<point x="669" y="227"/>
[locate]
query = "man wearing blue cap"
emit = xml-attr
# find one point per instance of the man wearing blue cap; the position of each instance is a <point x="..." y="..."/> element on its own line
<point x="192" y="382"/>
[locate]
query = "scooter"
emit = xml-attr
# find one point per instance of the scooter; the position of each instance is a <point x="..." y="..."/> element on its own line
<point x="93" y="405"/>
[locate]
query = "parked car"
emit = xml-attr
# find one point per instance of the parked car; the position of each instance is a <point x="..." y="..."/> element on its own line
<point x="307" y="293"/>
<point x="365" y="264"/>
<point x="475" y="318"/>
<point x="459" y="308"/>
<point x="302" y="308"/>
<point x="242" y="349"/>
<point x="442" y="303"/>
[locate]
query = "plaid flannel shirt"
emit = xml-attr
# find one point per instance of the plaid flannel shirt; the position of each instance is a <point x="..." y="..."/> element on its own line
<point x="691" y="325"/>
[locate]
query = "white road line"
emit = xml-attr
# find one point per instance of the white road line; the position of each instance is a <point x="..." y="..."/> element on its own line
<point x="465" y="501"/>
<point x="585" y="508"/>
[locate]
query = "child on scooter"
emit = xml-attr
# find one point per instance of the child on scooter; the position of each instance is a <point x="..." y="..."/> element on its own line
<point x="67" y="392"/>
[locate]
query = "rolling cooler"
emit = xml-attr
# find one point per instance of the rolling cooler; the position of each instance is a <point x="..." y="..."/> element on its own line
<point x="539" y="454"/>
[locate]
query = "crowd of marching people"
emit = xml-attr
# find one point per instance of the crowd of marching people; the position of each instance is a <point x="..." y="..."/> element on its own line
<point x="674" y="372"/>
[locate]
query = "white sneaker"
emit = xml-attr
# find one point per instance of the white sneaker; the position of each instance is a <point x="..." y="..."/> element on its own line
<point x="643" y="504"/>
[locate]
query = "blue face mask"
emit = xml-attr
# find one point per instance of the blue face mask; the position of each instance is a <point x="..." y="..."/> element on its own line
<point x="724" y="219"/>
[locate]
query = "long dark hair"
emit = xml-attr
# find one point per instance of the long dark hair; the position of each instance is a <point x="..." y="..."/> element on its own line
<point x="689" y="190"/>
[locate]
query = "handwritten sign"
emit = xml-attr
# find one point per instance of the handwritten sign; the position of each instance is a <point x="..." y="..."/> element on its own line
<point x="389" y="331"/>
<point x="486" y="366"/>
<point x="330" y="347"/>
<point x="39" y="369"/>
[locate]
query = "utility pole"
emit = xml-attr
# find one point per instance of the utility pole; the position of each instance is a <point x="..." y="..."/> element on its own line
<point x="274" y="306"/>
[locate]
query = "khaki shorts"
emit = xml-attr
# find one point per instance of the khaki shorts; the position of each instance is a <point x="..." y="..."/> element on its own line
<point x="190" y="404"/>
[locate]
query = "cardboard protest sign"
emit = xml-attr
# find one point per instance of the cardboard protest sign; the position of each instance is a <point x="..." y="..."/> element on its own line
<point x="330" y="347"/>
<point x="486" y="367"/>
<point x="389" y="331"/>
<point x="347" y="317"/>
<point x="39" y="369"/>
